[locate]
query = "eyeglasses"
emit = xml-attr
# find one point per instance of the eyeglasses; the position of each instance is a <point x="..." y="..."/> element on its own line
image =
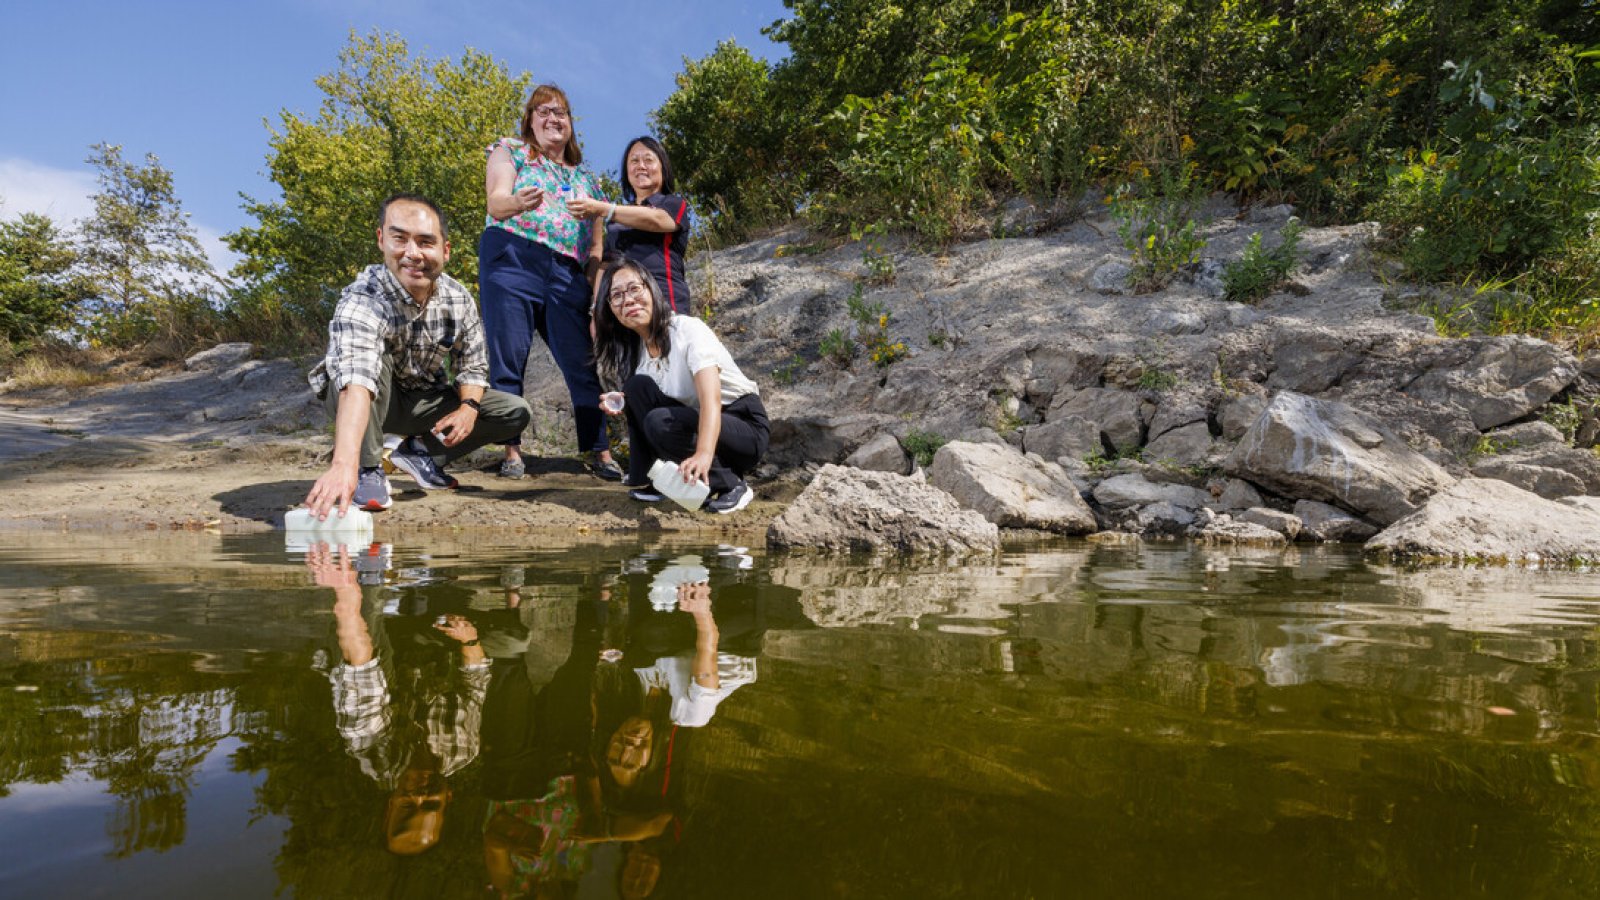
<point x="550" y="112"/>
<point x="633" y="291"/>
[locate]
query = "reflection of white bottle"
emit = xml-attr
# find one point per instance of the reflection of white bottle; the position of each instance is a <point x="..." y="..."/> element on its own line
<point x="691" y="496"/>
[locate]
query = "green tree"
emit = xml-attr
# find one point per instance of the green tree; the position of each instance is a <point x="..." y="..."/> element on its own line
<point x="37" y="292"/>
<point x="139" y="255"/>
<point x="727" y="134"/>
<point x="388" y="122"/>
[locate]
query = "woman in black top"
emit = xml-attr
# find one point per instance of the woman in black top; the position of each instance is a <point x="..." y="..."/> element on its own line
<point x="652" y="229"/>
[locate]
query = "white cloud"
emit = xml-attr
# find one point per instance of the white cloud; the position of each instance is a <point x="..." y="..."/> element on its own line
<point x="63" y="195"/>
<point x="222" y="259"/>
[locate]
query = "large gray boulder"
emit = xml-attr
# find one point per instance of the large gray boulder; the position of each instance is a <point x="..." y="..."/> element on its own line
<point x="220" y="356"/>
<point x="1119" y="414"/>
<point x="1186" y="445"/>
<point x="1009" y="489"/>
<point x="1496" y="380"/>
<point x="1286" y="524"/>
<point x="1484" y="519"/>
<point x="854" y="509"/>
<point x="1582" y="465"/>
<point x="1066" y="436"/>
<point x="1224" y="531"/>
<point x="881" y="454"/>
<point x="1549" y="483"/>
<point x="1323" y="450"/>
<point x="819" y="438"/>
<point x="1133" y="489"/>
<point x="1321" y="522"/>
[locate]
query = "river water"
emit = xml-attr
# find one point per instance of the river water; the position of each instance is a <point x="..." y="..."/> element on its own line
<point x="200" y="715"/>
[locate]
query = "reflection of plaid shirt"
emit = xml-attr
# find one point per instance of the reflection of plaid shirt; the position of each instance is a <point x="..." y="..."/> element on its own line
<point x="365" y="719"/>
<point x="376" y="318"/>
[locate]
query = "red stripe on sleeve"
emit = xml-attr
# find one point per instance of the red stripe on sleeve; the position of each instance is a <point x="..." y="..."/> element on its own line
<point x="666" y="254"/>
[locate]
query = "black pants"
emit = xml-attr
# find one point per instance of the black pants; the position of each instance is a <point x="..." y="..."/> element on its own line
<point x="660" y="427"/>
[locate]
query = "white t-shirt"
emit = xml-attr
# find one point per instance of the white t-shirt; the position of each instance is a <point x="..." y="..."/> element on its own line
<point x="693" y="705"/>
<point x="694" y="347"/>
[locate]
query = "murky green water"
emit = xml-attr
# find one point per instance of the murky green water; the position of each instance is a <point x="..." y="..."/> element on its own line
<point x="1072" y="721"/>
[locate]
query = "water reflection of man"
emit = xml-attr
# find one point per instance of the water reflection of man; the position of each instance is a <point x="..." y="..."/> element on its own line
<point x="410" y="755"/>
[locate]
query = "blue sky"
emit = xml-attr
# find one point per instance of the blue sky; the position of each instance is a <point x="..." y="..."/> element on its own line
<point x="192" y="81"/>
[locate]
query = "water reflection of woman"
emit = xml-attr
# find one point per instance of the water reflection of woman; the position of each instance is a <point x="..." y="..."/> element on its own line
<point x="535" y="767"/>
<point x="639" y="710"/>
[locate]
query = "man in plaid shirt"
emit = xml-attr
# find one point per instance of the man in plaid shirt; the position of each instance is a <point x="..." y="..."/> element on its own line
<point x="400" y="331"/>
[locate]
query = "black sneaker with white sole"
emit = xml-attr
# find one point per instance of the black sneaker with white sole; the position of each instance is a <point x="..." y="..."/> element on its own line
<point x="414" y="460"/>
<point x="646" y="495"/>
<point x="732" y="500"/>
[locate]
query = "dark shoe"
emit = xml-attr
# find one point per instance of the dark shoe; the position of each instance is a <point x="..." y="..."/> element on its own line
<point x="605" y="469"/>
<point x="512" y="468"/>
<point x="372" y="491"/>
<point x="732" y="500"/>
<point x="413" y="459"/>
<point x="646" y="495"/>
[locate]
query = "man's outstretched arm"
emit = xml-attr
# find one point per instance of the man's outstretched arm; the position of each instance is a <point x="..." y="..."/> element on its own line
<point x="338" y="484"/>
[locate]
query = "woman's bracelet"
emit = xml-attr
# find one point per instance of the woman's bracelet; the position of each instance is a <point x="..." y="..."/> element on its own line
<point x="611" y="212"/>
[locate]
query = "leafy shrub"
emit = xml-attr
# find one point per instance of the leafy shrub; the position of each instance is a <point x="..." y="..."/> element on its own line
<point x="1258" y="272"/>
<point x="1514" y="177"/>
<point x="789" y="372"/>
<point x="915" y="160"/>
<point x="880" y="265"/>
<point x="1155" y="220"/>
<point x="922" y="445"/>
<point x="837" y="347"/>
<point x="871" y="331"/>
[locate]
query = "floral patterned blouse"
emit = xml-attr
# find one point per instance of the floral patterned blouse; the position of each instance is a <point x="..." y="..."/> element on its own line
<point x="549" y="223"/>
<point x="560" y="857"/>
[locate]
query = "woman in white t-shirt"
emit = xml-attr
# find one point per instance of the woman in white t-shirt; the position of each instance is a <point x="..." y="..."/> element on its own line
<point x="685" y="399"/>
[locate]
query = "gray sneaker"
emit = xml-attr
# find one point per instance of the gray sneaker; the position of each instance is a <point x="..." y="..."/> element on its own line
<point x="372" y="491"/>
<point x="413" y="459"/>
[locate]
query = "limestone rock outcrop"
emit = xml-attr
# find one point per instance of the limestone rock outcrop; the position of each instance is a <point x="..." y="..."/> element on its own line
<point x="846" y="509"/>
<point x="1490" y="520"/>
<point x="1010" y="489"/>
<point x="1314" y="449"/>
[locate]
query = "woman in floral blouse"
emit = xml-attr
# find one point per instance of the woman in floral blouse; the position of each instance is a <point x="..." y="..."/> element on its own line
<point x="540" y="248"/>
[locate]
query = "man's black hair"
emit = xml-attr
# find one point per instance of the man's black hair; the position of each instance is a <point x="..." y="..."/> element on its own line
<point x="409" y="197"/>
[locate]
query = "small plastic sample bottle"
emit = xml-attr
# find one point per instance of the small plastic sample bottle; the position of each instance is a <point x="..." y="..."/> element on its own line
<point x="691" y="496"/>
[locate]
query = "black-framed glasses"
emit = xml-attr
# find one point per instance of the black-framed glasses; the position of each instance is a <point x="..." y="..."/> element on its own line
<point x="622" y="295"/>
<point x="551" y="112"/>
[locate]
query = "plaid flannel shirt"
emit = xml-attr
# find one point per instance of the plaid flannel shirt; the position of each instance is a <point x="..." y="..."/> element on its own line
<point x="364" y="714"/>
<point x="377" y="318"/>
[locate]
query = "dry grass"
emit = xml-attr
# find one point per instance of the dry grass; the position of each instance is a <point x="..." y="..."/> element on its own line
<point x="56" y="368"/>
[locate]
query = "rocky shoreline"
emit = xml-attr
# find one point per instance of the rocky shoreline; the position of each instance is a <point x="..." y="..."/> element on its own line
<point x="1056" y="399"/>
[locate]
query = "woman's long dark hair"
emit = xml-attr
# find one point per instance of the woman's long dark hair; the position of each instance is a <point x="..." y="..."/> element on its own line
<point x="654" y="146"/>
<point x="617" y="350"/>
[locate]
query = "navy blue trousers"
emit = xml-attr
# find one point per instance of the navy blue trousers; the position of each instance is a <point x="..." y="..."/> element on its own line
<point x="525" y="288"/>
<point x="660" y="427"/>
